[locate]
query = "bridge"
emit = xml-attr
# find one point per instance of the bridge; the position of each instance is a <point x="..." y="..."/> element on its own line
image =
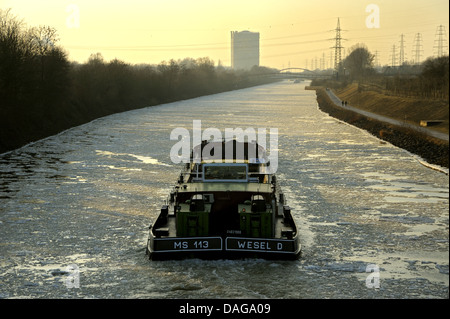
<point x="296" y="73"/>
<point x="302" y="73"/>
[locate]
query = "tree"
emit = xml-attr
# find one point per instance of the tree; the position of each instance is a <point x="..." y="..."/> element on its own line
<point x="359" y="63"/>
<point x="13" y="53"/>
<point x="51" y="65"/>
<point x="169" y="72"/>
<point x="43" y="39"/>
<point x="435" y="76"/>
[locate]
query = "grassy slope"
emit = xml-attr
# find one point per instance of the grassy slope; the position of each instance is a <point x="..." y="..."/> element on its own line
<point x="431" y="149"/>
<point x="412" y="110"/>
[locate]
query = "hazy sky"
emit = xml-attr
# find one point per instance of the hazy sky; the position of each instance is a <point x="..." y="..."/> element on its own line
<point x="292" y="32"/>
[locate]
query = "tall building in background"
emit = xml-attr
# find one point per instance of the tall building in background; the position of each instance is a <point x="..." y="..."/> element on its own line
<point x="244" y="49"/>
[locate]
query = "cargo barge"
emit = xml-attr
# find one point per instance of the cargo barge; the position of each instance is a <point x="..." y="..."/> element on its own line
<point x="225" y="208"/>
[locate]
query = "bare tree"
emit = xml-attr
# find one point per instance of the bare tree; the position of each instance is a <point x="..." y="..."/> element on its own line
<point x="359" y="63"/>
<point x="43" y="39"/>
<point x="435" y="76"/>
<point x="12" y="54"/>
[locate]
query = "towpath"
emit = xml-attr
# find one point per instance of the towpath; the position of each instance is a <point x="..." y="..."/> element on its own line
<point x="386" y="119"/>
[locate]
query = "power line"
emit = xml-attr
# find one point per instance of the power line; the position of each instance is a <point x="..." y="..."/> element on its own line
<point x="322" y="61"/>
<point x="440" y="34"/>
<point x="394" y="56"/>
<point x="376" y="62"/>
<point x="331" y="59"/>
<point x="417" y="48"/>
<point x="294" y="53"/>
<point x="401" y="56"/>
<point x="182" y="47"/>
<point x="338" y="46"/>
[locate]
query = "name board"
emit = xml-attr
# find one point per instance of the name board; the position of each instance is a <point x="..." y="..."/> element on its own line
<point x="258" y="244"/>
<point x="188" y="244"/>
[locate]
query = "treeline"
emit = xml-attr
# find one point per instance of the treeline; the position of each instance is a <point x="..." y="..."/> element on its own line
<point x="430" y="79"/>
<point x="42" y="92"/>
<point x="115" y="86"/>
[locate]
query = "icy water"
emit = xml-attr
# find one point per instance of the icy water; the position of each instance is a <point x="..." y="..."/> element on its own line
<point x="75" y="208"/>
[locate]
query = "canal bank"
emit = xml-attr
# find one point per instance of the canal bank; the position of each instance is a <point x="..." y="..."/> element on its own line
<point x="433" y="150"/>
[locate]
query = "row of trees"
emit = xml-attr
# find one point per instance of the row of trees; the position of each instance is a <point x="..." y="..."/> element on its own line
<point x="432" y="82"/>
<point x="430" y="79"/>
<point x="116" y="84"/>
<point x="33" y="70"/>
<point x="42" y="92"/>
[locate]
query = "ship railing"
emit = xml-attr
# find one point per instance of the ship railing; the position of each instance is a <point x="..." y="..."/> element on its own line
<point x="197" y="176"/>
<point x="253" y="179"/>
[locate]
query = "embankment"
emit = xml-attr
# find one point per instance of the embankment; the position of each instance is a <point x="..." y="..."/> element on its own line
<point x="433" y="150"/>
<point x="407" y="109"/>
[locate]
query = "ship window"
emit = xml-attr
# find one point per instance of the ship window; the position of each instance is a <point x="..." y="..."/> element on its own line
<point x="197" y="203"/>
<point x="258" y="204"/>
<point x="220" y="172"/>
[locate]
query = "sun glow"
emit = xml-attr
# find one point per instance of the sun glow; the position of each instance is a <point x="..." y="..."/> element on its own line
<point x="293" y="33"/>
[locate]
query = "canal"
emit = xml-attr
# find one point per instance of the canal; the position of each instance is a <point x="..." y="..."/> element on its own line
<point x="75" y="208"/>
